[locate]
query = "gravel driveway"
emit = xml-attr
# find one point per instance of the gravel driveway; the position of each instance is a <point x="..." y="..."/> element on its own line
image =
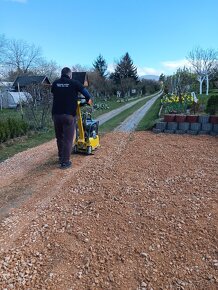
<point x="107" y="116"/>
<point x="141" y="213"/>
<point x="132" y="121"/>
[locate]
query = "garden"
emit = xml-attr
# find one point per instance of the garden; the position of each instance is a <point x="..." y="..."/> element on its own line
<point x="189" y="114"/>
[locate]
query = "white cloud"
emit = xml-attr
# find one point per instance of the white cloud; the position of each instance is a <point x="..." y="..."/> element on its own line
<point x="173" y="65"/>
<point x="148" y="71"/>
<point x="18" y="1"/>
<point x="111" y="67"/>
<point x="165" y="67"/>
<point x="140" y="70"/>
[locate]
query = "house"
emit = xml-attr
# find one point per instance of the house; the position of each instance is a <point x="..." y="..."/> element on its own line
<point x="11" y="100"/>
<point x="23" y="81"/>
<point x="82" y="77"/>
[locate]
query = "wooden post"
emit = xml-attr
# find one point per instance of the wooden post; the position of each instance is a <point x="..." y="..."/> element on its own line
<point x="21" y="108"/>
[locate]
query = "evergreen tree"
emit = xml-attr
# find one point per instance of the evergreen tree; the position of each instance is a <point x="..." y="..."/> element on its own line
<point x="125" y="69"/>
<point x="162" y="78"/>
<point x="100" y="66"/>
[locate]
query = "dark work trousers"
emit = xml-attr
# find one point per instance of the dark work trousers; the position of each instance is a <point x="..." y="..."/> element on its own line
<point x="64" y="131"/>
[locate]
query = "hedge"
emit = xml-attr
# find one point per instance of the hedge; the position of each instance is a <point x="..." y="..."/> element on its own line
<point x="212" y="105"/>
<point x="11" y="128"/>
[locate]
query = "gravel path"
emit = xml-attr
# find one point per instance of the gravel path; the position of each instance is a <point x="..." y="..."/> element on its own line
<point x="139" y="214"/>
<point x="132" y="121"/>
<point x="107" y="116"/>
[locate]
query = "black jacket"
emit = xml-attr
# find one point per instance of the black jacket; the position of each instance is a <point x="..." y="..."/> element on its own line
<point x="65" y="92"/>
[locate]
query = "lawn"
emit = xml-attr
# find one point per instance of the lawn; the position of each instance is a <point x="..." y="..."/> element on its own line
<point x="149" y="120"/>
<point x="10" y="113"/>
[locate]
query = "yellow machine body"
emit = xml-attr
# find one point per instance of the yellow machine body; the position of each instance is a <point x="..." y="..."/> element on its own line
<point x="84" y="141"/>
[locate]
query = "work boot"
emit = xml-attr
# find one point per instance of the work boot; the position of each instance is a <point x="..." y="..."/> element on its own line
<point x="65" y="165"/>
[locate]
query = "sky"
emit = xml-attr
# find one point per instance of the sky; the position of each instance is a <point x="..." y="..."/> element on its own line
<point x="157" y="34"/>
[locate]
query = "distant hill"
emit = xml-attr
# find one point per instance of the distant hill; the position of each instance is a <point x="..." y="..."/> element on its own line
<point x="149" y="77"/>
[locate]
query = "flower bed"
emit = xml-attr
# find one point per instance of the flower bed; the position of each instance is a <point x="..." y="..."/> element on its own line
<point x="174" y="104"/>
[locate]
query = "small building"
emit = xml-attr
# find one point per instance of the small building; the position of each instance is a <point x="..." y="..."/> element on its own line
<point x="11" y="100"/>
<point x="23" y="81"/>
<point x="82" y="77"/>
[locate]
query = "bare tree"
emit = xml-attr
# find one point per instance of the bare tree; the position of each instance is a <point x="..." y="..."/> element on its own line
<point x="210" y="61"/>
<point x="37" y="108"/>
<point x="79" y="68"/>
<point x="21" y="56"/>
<point x="49" y="69"/>
<point x="98" y="84"/>
<point x="203" y="63"/>
<point x="3" y="43"/>
<point x="182" y="82"/>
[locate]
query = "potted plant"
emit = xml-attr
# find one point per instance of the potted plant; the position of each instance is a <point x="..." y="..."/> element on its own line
<point x="169" y="117"/>
<point x="214" y="119"/>
<point x="180" y="118"/>
<point x="192" y="118"/>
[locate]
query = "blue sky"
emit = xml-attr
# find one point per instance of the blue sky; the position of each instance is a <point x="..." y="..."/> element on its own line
<point x="158" y="34"/>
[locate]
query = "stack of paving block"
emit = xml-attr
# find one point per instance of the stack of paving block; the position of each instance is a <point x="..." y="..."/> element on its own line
<point x="188" y="124"/>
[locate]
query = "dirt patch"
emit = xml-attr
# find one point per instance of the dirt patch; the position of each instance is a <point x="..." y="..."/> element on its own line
<point x="141" y="213"/>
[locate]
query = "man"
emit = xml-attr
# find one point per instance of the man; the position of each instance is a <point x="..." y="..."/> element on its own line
<point x="65" y="92"/>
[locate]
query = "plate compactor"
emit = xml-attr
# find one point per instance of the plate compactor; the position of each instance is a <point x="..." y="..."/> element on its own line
<point x="87" y="138"/>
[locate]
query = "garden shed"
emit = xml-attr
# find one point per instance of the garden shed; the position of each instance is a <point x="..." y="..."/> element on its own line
<point x="23" y="81"/>
<point x="12" y="99"/>
<point x="82" y="77"/>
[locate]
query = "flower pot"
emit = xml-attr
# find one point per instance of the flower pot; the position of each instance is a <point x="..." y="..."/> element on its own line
<point x="180" y="118"/>
<point x="214" y="119"/>
<point x="192" y="118"/>
<point x="169" y="118"/>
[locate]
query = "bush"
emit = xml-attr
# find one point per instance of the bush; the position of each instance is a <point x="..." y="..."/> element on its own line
<point x="4" y="131"/>
<point x="11" y="128"/>
<point x="212" y="105"/>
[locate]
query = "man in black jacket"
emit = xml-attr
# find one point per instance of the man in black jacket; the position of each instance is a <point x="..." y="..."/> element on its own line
<point x="65" y="92"/>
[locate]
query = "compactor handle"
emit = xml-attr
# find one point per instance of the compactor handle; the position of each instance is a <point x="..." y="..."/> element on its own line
<point x="83" y="101"/>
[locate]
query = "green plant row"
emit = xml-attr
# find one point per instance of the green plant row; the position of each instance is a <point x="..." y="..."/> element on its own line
<point x="149" y="119"/>
<point x="11" y="128"/>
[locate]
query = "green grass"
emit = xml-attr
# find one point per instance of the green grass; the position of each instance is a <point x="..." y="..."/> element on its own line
<point x="149" y="119"/>
<point x="112" y="104"/>
<point x="10" y="113"/>
<point x="9" y="149"/>
<point x="117" y="120"/>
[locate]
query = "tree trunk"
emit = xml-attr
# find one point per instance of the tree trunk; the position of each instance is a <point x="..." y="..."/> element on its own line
<point x="201" y="82"/>
<point x="207" y="82"/>
<point x="200" y="90"/>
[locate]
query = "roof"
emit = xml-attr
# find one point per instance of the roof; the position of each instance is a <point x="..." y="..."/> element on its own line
<point x="82" y="77"/>
<point x="28" y="80"/>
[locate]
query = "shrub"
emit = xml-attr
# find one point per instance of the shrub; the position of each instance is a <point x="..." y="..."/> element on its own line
<point x="11" y="128"/>
<point x="4" y="131"/>
<point x="212" y="105"/>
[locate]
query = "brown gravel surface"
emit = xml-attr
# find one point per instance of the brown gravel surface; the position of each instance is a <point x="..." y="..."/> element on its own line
<point x="139" y="214"/>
